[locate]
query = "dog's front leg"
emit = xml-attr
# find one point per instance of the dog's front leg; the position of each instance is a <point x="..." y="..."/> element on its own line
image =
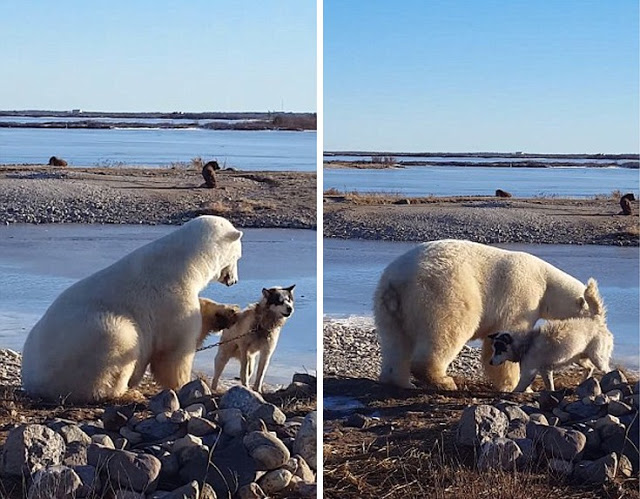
<point x="526" y="378"/>
<point x="244" y="367"/>
<point x="265" y="357"/>
<point x="547" y="377"/>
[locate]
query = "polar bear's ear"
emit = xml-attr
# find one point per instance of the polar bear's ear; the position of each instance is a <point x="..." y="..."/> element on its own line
<point x="234" y="236"/>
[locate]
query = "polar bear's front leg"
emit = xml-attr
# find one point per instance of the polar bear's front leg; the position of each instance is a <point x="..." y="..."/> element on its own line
<point x="431" y="359"/>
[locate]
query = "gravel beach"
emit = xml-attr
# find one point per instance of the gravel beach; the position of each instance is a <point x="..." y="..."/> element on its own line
<point x="35" y="194"/>
<point x="484" y="220"/>
<point x="350" y="348"/>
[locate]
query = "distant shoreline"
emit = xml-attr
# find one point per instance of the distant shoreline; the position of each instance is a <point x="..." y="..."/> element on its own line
<point x="399" y="164"/>
<point x="630" y="156"/>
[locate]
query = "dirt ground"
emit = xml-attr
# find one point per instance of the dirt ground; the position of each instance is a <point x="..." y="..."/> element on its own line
<point x="408" y="449"/>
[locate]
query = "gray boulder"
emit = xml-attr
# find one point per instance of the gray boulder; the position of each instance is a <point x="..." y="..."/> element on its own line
<point x="239" y="397"/>
<point x="480" y="424"/>
<point x="499" y="454"/>
<point x="590" y="387"/>
<point x="267" y="451"/>
<point x="55" y="482"/>
<point x="126" y="469"/>
<point x="165" y="401"/>
<point x="192" y="391"/>
<point x="29" y="448"/>
<point x="612" y="380"/>
<point x="305" y="443"/>
<point x="596" y="472"/>
<point x="275" y="481"/>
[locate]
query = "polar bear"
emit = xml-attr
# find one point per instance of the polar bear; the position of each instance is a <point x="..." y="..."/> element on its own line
<point x="433" y="299"/>
<point x="98" y="337"/>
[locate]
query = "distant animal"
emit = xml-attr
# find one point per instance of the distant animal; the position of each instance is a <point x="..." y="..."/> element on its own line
<point x="436" y="297"/>
<point x="54" y="161"/>
<point x="585" y="340"/>
<point x="625" y="203"/>
<point x="216" y="317"/>
<point x="98" y="337"/>
<point x="209" y="174"/>
<point x="256" y="331"/>
<point x="502" y="194"/>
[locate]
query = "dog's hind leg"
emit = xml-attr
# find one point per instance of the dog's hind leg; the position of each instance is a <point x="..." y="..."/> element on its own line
<point x="503" y="377"/>
<point x="222" y="358"/>
<point x="547" y="377"/>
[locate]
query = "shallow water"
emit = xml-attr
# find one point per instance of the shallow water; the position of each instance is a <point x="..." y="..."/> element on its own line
<point x="255" y="150"/>
<point x="39" y="262"/>
<point x="352" y="269"/>
<point x="466" y="181"/>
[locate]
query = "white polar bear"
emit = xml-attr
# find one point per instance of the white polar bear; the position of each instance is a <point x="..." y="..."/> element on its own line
<point x="438" y="296"/>
<point x="98" y="337"/>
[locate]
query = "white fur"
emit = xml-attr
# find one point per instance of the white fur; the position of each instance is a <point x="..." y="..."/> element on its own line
<point x="438" y="296"/>
<point x="98" y="337"/>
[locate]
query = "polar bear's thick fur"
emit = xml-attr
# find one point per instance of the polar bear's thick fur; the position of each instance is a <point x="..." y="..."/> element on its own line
<point x="436" y="297"/>
<point x="98" y="337"/>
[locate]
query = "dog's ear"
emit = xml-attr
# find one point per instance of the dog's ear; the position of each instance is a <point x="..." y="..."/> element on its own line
<point x="265" y="292"/>
<point x="507" y="338"/>
<point x="290" y="288"/>
<point x="493" y="336"/>
<point x="582" y="303"/>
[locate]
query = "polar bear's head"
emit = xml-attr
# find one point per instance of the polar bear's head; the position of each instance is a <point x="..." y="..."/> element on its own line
<point x="233" y="252"/>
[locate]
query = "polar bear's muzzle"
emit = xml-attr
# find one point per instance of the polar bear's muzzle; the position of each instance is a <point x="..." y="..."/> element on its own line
<point x="228" y="276"/>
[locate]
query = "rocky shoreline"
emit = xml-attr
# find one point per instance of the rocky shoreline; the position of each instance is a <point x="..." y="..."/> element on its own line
<point x="36" y="194"/>
<point x="167" y="444"/>
<point x="485" y="220"/>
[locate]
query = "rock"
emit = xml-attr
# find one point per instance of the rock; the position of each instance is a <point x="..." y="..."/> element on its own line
<point x="549" y="400"/>
<point x="514" y="412"/>
<point x="614" y="395"/>
<point x="207" y="492"/>
<point x="186" y="442"/>
<point x="612" y="380"/>
<point x="104" y="440"/>
<point x="127" y="469"/>
<point x="593" y="440"/>
<point x="128" y="494"/>
<point x="75" y="454"/>
<point x="188" y="491"/>
<point x="299" y="390"/>
<point x="529" y="454"/>
<point x="251" y="491"/>
<point x="29" y="448"/>
<point x="305" y="443"/>
<point x="179" y="416"/>
<point x="605" y="421"/>
<point x="115" y="417"/>
<point x="242" y="398"/>
<point x="73" y="433"/>
<point x="132" y="436"/>
<point x="554" y="421"/>
<point x="270" y="414"/>
<point x="563" y="416"/>
<point x="193" y="390"/>
<point x="590" y="387"/>
<point x="200" y="427"/>
<point x="170" y="465"/>
<point x="560" y="467"/>
<point x="557" y="442"/>
<point x="93" y="428"/>
<point x="619" y="408"/>
<point x="302" y="470"/>
<point x="165" y="401"/>
<point x="305" y="378"/>
<point x="195" y="410"/>
<point x="90" y="480"/>
<point x="232" y="421"/>
<point x="596" y="472"/>
<point x="275" y="481"/>
<point x="267" y="451"/>
<point x="234" y="466"/>
<point x="356" y="420"/>
<point x="517" y="429"/>
<point x="480" y="424"/>
<point x="625" y="468"/>
<point x="209" y="404"/>
<point x="539" y="418"/>
<point x="55" y="482"/>
<point x="621" y="440"/>
<point x="579" y="410"/>
<point x="150" y="429"/>
<point x="601" y="399"/>
<point x="499" y="454"/>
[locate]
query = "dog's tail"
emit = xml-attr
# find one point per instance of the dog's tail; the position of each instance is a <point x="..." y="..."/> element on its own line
<point x="594" y="300"/>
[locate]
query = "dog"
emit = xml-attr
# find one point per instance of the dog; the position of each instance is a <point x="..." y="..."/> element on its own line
<point x="585" y="340"/>
<point x="216" y="317"/>
<point x="256" y="331"/>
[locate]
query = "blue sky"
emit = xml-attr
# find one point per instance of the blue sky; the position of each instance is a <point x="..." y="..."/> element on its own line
<point x="535" y="76"/>
<point x="200" y="55"/>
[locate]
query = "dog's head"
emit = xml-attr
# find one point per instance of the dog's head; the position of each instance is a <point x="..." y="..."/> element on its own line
<point x="279" y="300"/>
<point x="502" y="348"/>
<point x="217" y="316"/>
